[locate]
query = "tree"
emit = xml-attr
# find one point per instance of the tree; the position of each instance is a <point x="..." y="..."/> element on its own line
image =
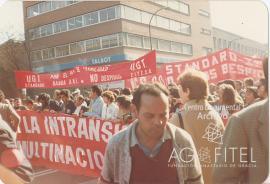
<point x="13" y="56"/>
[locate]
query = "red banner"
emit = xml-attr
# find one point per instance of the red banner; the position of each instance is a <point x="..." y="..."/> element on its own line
<point x="224" y="64"/>
<point x="87" y="75"/>
<point x="58" y="141"/>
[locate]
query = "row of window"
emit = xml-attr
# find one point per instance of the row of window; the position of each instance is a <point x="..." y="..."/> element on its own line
<point x="222" y="43"/>
<point x="205" y="31"/>
<point x="204" y="13"/>
<point x="47" y="6"/>
<point x="175" y="5"/>
<point x="110" y="41"/>
<point x="108" y="14"/>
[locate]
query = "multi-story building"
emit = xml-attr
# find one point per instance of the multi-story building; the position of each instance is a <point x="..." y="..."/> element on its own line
<point x="224" y="39"/>
<point x="64" y="34"/>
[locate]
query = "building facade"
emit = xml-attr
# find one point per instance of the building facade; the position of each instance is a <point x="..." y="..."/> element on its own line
<point x="64" y="34"/>
<point x="224" y="39"/>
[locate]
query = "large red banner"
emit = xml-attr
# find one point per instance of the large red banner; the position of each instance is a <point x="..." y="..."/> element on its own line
<point x="221" y="65"/>
<point x="87" y="75"/>
<point x="68" y="143"/>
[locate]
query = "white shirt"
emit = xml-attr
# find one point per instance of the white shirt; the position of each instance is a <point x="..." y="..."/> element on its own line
<point x="109" y="111"/>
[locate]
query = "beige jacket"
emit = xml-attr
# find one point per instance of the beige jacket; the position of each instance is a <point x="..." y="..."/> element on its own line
<point x="249" y="130"/>
<point x="117" y="159"/>
<point x="206" y="128"/>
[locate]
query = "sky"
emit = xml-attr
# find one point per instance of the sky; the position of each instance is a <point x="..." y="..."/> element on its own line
<point x="246" y="18"/>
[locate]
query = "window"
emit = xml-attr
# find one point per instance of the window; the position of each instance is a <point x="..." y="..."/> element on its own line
<point x="185" y="28"/>
<point x="107" y="14"/>
<point x="184" y="8"/>
<point x="175" y="5"/>
<point x="135" y="41"/>
<point x="187" y="49"/>
<point x="146" y="43"/>
<point x="224" y="44"/>
<point x="62" y="50"/>
<point x="215" y="43"/>
<point x="46" y="30"/>
<point x="164" y="45"/>
<point x="176" y="47"/>
<point x="48" y="53"/>
<point x="34" y="33"/>
<point x="93" y="44"/>
<point x="146" y="17"/>
<point x="219" y="44"/>
<point x="33" y="11"/>
<point x="163" y="22"/>
<point x="132" y="14"/>
<point x="45" y="6"/>
<point x="205" y="31"/>
<point x="109" y="41"/>
<point x="58" y="4"/>
<point x="36" y="56"/>
<point x="204" y="13"/>
<point x="60" y="26"/>
<point x="174" y="25"/>
<point x="91" y="18"/>
<point x="76" y="48"/>
<point x="122" y="37"/>
<point x="75" y="22"/>
<point x="111" y="13"/>
<point x="206" y="50"/>
<point x="162" y="2"/>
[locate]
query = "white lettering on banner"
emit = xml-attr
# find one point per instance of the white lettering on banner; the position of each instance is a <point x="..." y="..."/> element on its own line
<point x="234" y="68"/>
<point x="33" y="128"/>
<point x="93" y="77"/>
<point x="34" y="85"/>
<point x="140" y="73"/>
<point x="223" y="56"/>
<point x="71" y="126"/>
<point x="54" y="76"/>
<point x="69" y="156"/>
<point x="82" y="128"/>
<point x="59" y="153"/>
<point x="107" y="133"/>
<point x="58" y="83"/>
<point x="169" y="70"/>
<point x="65" y="154"/>
<point x="80" y="152"/>
<point x="232" y="56"/>
<point x="138" y="65"/>
<point x="73" y="81"/>
<point x="101" y="60"/>
<point x="33" y="78"/>
<point x="105" y="78"/>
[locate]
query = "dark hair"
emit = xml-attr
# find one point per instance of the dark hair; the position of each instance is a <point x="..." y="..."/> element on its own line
<point x="253" y="90"/>
<point x="174" y="92"/>
<point x="228" y="96"/>
<point x="230" y="82"/>
<point x="265" y="70"/>
<point x="196" y="82"/>
<point x="65" y="92"/>
<point x="123" y="101"/>
<point x="249" y="82"/>
<point x="96" y="89"/>
<point x="154" y="89"/>
<point x="46" y="99"/>
<point x="126" y="91"/>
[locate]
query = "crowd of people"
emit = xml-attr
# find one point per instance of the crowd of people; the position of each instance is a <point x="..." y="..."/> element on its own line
<point x="191" y="104"/>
